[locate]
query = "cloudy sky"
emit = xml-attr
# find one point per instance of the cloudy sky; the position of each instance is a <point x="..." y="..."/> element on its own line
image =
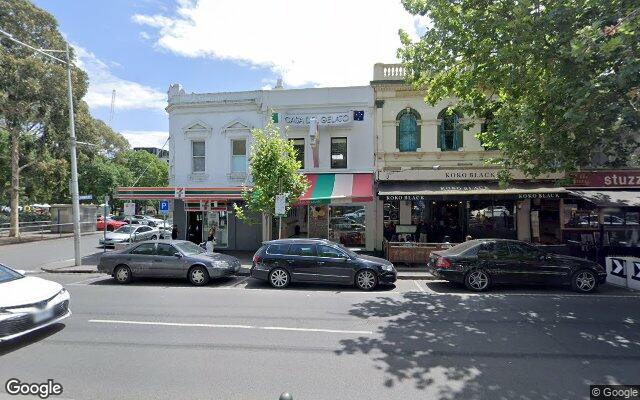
<point x="140" y="47"/>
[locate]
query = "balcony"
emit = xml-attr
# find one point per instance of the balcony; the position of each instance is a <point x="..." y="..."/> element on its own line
<point x="388" y="72"/>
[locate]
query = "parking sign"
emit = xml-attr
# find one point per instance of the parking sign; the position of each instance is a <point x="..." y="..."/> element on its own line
<point x="129" y="209"/>
<point x="164" y="206"/>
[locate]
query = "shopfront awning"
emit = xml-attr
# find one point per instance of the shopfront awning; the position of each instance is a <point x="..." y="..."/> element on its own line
<point x="192" y="194"/>
<point x="338" y="188"/>
<point x="611" y="198"/>
<point x="467" y="190"/>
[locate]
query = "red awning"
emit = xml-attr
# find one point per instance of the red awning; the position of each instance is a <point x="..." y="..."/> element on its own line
<point x="338" y="188"/>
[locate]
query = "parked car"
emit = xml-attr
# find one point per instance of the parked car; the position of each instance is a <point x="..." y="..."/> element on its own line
<point x="129" y="234"/>
<point x="281" y="262"/>
<point x="168" y="259"/>
<point x="481" y="263"/>
<point x="29" y="303"/>
<point x="149" y="220"/>
<point x="112" y="224"/>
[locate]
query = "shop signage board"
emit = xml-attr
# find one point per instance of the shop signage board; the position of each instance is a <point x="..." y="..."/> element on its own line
<point x="462" y="174"/>
<point x="324" y="119"/>
<point x="606" y="179"/>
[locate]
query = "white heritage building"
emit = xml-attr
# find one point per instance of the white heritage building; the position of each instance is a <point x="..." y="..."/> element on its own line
<point x="210" y="144"/>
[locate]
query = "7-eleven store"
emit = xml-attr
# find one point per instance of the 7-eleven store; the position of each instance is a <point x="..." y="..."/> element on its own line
<point x="195" y="210"/>
<point x="337" y="206"/>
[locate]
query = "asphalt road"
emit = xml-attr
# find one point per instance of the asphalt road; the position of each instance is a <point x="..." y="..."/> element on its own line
<point x="33" y="255"/>
<point x="240" y="339"/>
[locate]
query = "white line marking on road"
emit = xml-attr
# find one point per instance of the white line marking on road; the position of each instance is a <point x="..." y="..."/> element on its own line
<point x="420" y="288"/>
<point x="266" y="328"/>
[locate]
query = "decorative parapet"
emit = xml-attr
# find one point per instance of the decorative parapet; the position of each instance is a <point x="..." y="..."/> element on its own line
<point x="388" y="72"/>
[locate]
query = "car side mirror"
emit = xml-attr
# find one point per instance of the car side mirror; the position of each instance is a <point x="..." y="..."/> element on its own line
<point x="177" y="254"/>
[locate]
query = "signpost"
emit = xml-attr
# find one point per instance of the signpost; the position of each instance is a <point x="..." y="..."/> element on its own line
<point x="129" y="211"/>
<point x="281" y="203"/>
<point x="104" y="218"/>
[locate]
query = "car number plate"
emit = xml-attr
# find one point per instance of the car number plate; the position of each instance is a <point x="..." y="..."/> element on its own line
<point x="43" y="316"/>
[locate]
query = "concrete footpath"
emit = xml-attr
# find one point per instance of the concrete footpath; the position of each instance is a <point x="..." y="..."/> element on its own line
<point x="90" y="265"/>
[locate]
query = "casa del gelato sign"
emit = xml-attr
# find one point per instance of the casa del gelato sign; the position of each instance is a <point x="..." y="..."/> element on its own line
<point x="324" y="119"/>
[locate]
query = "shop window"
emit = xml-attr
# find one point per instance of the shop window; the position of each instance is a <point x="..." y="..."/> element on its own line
<point x="492" y="219"/>
<point x="347" y="225"/>
<point x="580" y="214"/>
<point x="198" y="156"/>
<point x="450" y="133"/>
<point x="619" y="217"/>
<point x="219" y="221"/>
<point x="239" y="156"/>
<point x="298" y="145"/>
<point x="391" y="218"/>
<point x="408" y="130"/>
<point x="339" y="152"/>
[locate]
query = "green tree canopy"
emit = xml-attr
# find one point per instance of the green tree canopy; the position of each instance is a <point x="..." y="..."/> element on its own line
<point x="561" y="79"/>
<point x="274" y="169"/>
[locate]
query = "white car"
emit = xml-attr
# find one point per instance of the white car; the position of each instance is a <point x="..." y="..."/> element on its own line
<point x="28" y="303"/>
<point x="129" y="234"/>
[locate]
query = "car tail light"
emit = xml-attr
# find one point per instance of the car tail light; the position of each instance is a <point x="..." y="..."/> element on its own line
<point x="443" y="263"/>
<point x="256" y="258"/>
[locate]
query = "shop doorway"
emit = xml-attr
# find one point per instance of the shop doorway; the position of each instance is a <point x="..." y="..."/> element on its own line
<point x="448" y="221"/>
<point x="194" y="227"/>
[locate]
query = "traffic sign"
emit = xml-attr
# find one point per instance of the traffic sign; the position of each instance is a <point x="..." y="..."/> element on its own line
<point x="85" y="197"/>
<point x="129" y="209"/>
<point x="281" y="202"/>
<point x="164" y="206"/>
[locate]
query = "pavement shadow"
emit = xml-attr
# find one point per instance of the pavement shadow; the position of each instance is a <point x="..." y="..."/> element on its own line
<point x="498" y="347"/>
<point x="30" y="338"/>
<point x="325" y="287"/>
<point x="445" y="287"/>
<point x="163" y="282"/>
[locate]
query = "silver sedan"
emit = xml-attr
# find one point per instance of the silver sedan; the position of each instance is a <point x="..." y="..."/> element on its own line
<point x="130" y="234"/>
<point x="168" y="259"/>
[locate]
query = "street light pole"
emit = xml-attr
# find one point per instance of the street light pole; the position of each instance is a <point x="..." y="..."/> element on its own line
<point x="75" y="196"/>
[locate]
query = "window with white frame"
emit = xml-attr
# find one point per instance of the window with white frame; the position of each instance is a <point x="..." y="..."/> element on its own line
<point x="239" y="156"/>
<point x="339" y="152"/>
<point x="197" y="156"/>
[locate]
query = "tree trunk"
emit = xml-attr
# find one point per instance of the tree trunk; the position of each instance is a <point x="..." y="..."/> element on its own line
<point x="14" y="230"/>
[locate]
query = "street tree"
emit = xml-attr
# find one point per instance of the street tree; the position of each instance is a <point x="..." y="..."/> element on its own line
<point x="558" y="82"/>
<point x="33" y="89"/>
<point x="274" y="169"/>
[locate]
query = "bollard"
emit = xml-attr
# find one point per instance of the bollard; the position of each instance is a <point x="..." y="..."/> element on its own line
<point x="286" y="396"/>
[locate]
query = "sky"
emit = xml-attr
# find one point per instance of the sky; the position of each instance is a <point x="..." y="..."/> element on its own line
<point x="139" y="48"/>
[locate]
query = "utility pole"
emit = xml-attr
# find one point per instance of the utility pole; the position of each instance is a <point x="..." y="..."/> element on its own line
<point x="75" y="196"/>
<point x="113" y="104"/>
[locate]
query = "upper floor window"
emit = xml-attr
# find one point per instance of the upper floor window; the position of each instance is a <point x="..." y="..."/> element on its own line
<point x="450" y="131"/>
<point x="484" y="128"/>
<point x="339" y="152"/>
<point x="239" y="156"/>
<point x="298" y="145"/>
<point x="408" y="130"/>
<point x="197" y="156"/>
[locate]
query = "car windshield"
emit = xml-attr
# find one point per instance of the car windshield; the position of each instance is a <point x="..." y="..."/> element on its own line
<point x="189" y="248"/>
<point x="351" y="253"/>
<point x="462" y="247"/>
<point x="7" y="274"/>
<point x="126" y="229"/>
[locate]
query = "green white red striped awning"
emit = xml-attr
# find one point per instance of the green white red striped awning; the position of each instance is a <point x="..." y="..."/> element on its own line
<point x="338" y="188"/>
<point x="188" y="194"/>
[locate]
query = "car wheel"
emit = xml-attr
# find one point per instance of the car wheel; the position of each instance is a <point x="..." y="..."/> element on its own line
<point x="477" y="280"/>
<point x="198" y="276"/>
<point x="366" y="280"/>
<point x="122" y="273"/>
<point x="154" y="237"/>
<point x="279" y="278"/>
<point x="584" y="281"/>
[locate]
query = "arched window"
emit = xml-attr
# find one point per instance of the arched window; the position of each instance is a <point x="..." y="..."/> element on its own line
<point x="449" y="131"/>
<point x="408" y="130"/>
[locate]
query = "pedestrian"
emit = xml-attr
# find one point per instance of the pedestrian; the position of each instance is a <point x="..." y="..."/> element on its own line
<point x="174" y="232"/>
<point x="211" y="239"/>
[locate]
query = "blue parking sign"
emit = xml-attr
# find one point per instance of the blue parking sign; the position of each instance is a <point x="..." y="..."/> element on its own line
<point x="164" y="207"/>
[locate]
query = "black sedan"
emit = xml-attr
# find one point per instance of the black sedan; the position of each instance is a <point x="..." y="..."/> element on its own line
<point x="484" y="262"/>
<point x="281" y="262"/>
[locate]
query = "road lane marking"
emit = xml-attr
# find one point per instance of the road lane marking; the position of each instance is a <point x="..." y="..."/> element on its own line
<point x="420" y="288"/>
<point x="87" y="281"/>
<point x="229" y="326"/>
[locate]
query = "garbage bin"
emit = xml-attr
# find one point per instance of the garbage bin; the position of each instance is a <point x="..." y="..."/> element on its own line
<point x="633" y="273"/>
<point x="617" y="271"/>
